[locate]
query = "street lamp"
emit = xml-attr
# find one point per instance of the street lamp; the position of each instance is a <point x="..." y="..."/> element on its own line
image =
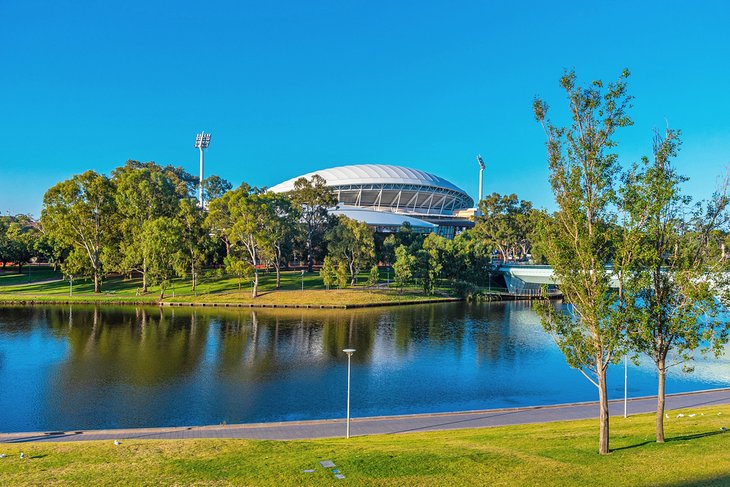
<point x="202" y="141"/>
<point x="626" y="385"/>
<point x="349" y="352"/>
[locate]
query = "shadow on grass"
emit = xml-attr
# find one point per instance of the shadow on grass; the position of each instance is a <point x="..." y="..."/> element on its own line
<point x="670" y="440"/>
<point x="723" y="480"/>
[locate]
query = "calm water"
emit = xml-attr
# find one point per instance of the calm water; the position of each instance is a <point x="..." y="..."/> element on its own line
<point x="81" y="367"/>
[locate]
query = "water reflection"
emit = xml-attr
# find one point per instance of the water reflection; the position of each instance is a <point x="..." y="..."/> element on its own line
<point x="92" y="367"/>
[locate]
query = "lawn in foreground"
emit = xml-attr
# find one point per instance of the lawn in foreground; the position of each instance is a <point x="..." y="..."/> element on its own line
<point x="696" y="453"/>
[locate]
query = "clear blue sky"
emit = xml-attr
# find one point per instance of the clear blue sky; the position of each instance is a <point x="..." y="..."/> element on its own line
<point x="290" y="87"/>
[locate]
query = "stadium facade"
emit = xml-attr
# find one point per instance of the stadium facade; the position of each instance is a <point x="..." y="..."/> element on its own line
<point x="385" y="196"/>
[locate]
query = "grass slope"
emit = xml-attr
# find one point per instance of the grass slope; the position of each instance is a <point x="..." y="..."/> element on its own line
<point x="47" y="286"/>
<point x="563" y="454"/>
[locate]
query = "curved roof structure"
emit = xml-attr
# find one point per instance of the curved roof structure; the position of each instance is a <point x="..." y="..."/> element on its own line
<point x="383" y="219"/>
<point x="372" y="174"/>
<point x="396" y="189"/>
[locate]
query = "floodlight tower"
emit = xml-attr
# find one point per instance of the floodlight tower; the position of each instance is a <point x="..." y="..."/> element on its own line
<point x="202" y="141"/>
<point x="481" y="176"/>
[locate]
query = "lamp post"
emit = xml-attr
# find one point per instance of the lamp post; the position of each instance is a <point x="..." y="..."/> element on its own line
<point x="626" y="385"/>
<point x="349" y="352"/>
<point x="302" y="279"/>
<point x="202" y="141"/>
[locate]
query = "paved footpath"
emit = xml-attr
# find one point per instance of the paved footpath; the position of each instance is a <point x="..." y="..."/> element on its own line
<point x="384" y="424"/>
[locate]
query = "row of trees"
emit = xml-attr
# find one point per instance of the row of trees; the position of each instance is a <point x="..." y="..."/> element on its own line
<point x="144" y="221"/>
<point x="640" y="265"/>
<point x="20" y="240"/>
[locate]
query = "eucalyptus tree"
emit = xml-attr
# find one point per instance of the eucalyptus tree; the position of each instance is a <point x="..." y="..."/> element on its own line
<point x="163" y="251"/>
<point x="81" y="213"/>
<point x="215" y="187"/>
<point x="245" y="217"/>
<point x="403" y="266"/>
<point x="314" y="199"/>
<point x="282" y="229"/>
<point x="583" y="165"/>
<point x="352" y="242"/>
<point x="505" y="223"/>
<point x="328" y="272"/>
<point x="144" y="192"/>
<point x="22" y="235"/>
<point x="193" y="237"/>
<point x="674" y="279"/>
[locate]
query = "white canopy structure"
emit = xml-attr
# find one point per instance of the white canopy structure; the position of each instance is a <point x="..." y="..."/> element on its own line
<point x="395" y="189"/>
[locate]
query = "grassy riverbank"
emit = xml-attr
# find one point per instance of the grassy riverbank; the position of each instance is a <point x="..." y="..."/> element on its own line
<point x="564" y="453"/>
<point x="43" y="285"/>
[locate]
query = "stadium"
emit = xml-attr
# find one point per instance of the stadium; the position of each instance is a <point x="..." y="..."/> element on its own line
<point x="385" y="197"/>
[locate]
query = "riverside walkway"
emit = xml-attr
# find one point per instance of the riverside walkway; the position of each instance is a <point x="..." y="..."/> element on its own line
<point x="386" y="424"/>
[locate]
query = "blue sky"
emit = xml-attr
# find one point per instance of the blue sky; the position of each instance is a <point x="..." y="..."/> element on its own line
<point x="290" y="87"/>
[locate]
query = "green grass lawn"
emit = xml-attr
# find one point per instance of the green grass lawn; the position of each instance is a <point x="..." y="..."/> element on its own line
<point x="560" y="454"/>
<point x="47" y="286"/>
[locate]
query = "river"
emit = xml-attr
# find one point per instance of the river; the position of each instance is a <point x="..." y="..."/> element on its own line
<point x="85" y="367"/>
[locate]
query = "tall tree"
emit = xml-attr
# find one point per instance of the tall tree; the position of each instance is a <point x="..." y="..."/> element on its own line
<point x="403" y="266"/>
<point x="282" y="230"/>
<point x="583" y="166"/>
<point x="352" y="241"/>
<point x="215" y="187"/>
<point x="505" y="224"/>
<point x="314" y="198"/>
<point x="162" y="249"/>
<point x="193" y="237"/>
<point x="144" y="192"/>
<point x="245" y="217"/>
<point x="80" y="212"/>
<point x="673" y="281"/>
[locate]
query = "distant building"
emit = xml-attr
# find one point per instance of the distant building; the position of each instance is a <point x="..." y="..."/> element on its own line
<point x="386" y="196"/>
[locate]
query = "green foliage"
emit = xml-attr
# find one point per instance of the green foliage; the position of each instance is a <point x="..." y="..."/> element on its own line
<point x="239" y="267"/>
<point x="328" y="272"/>
<point x="215" y="187"/>
<point x="403" y="266"/>
<point x="162" y="250"/>
<point x="313" y="198"/>
<point x="507" y="224"/>
<point x="81" y="213"/>
<point x="351" y="241"/>
<point x="430" y="261"/>
<point x="341" y="274"/>
<point x="373" y="277"/>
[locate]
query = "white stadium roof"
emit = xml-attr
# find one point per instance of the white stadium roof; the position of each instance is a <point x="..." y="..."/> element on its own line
<point x="372" y="174"/>
<point x="381" y="218"/>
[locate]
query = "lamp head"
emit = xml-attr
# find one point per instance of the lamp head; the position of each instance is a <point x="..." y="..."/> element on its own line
<point x="202" y="140"/>
<point x="349" y="351"/>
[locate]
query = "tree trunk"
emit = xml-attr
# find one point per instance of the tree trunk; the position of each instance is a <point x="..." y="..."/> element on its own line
<point x="192" y="272"/>
<point x="603" y="448"/>
<point x="144" y="276"/>
<point x="277" y="266"/>
<point x="310" y="257"/>
<point x="97" y="284"/>
<point x="660" y="401"/>
<point x="255" y="291"/>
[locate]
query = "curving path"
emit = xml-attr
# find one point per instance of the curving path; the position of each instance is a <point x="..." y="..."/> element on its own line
<point x="385" y="424"/>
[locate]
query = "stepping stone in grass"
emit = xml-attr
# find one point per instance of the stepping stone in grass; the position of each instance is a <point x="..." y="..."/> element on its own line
<point x="339" y="476"/>
<point x="308" y="471"/>
<point x="327" y="463"/>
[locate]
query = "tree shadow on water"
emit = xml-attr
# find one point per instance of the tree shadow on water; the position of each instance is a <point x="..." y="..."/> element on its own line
<point x="672" y="439"/>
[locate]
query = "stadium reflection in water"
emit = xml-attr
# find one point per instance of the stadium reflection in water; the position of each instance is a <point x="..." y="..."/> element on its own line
<point x="85" y="367"/>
